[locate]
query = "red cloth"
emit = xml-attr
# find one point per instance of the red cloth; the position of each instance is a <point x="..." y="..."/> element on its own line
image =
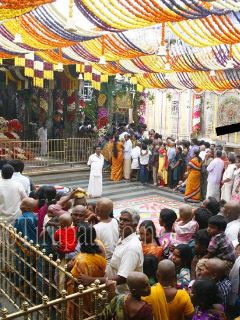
<point x="67" y="238"/>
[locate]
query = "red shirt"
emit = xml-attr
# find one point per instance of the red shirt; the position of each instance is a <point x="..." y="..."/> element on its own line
<point x="67" y="238"/>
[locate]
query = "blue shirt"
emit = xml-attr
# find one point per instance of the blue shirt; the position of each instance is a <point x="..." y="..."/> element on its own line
<point x="27" y="224"/>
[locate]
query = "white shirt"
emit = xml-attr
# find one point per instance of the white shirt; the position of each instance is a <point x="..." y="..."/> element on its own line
<point x="11" y="195"/>
<point x="127" y="149"/>
<point x="122" y="135"/>
<point x="42" y="134"/>
<point x="232" y="229"/>
<point x="127" y="257"/>
<point x="229" y="173"/>
<point x="202" y="155"/>
<point x="144" y="157"/>
<point x="135" y="155"/>
<point x="96" y="162"/>
<point x="18" y="177"/>
<point x="108" y="234"/>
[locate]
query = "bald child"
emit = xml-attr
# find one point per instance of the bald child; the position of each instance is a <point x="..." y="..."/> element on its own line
<point x="178" y="301"/>
<point x="66" y="235"/>
<point x="27" y="222"/>
<point x="107" y="229"/>
<point x="131" y="306"/>
<point x="185" y="227"/>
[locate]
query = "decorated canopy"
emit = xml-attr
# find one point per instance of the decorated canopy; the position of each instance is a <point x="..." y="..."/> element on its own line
<point x="157" y="43"/>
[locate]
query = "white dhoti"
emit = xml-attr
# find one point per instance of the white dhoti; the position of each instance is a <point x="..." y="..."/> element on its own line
<point x="226" y="192"/>
<point x="44" y="148"/>
<point x="126" y="168"/>
<point x="135" y="164"/>
<point x="213" y="190"/>
<point x="95" y="186"/>
<point x="95" y="179"/>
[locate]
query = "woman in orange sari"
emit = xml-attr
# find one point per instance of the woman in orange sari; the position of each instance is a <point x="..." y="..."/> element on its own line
<point x="90" y="261"/>
<point x="163" y="165"/>
<point x="117" y="160"/>
<point x="193" y="183"/>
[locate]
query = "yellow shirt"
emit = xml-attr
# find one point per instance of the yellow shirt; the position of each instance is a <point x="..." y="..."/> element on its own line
<point x="180" y="306"/>
<point x="158" y="302"/>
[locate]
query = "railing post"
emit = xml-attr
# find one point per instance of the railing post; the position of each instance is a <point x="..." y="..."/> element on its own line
<point x="65" y="150"/>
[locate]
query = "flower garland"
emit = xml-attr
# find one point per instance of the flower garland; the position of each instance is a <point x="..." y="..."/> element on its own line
<point x="16" y="4"/>
<point x="102" y="120"/>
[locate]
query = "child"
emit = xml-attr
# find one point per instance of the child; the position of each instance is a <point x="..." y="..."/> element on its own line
<point x="182" y="258"/>
<point x="91" y="213"/>
<point x="219" y="245"/>
<point x="185" y="227"/>
<point x="167" y="236"/>
<point x="206" y="300"/>
<point x="215" y="269"/>
<point x="202" y="240"/>
<point x="66" y="235"/>
<point x="178" y="300"/>
<point x="131" y="306"/>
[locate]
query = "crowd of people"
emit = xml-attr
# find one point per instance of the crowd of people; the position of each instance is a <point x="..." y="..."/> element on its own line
<point x="196" y="168"/>
<point x="190" y="270"/>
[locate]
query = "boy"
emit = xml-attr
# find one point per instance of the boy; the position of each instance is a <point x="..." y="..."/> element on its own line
<point x="202" y="239"/>
<point x="219" y="246"/>
<point x="66" y="235"/>
<point x="131" y="306"/>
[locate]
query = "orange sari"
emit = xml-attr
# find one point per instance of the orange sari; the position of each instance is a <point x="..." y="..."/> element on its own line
<point x="152" y="249"/>
<point x="93" y="265"/>
<point x="117" y="163"/>
<point x="193" y="184"/>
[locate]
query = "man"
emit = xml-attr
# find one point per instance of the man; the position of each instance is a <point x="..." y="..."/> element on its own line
<point x="127" y="256"/>
<point x="215" y="171"/>
<point x="232" y="214"/>
<point x="167" y="302"/>
<point x="79" y="215"/>
<point x="135" y="155"/>
<point x="42" y="136"/>
<point x="171" y="153"/>
<point x="127" y="157"/>
<point x="18" y="167"/>
<point x="11" y="195"/>
<point x="107" y="229"/>
<point x="228" y="178"/>
<point x="27" y="222"/>
<point x="96" y="162"/>
<point x="202" y="153"/>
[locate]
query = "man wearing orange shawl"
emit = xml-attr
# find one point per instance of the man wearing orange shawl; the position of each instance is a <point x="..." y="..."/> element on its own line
<point x="163" y="166"/>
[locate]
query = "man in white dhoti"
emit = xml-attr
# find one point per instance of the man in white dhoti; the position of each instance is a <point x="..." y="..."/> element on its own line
<point x="227" y="180"/>
<point x="127" y="151"/>
<point x="42" y="136"/>
<point x="96" y="162"/>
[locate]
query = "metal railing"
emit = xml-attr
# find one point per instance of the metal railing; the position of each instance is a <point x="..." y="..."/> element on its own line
<point x="40" y="154"/>
<point x="37" y="284"/>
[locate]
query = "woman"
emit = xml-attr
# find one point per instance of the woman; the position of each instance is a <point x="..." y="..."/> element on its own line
<point x="227" y="180"/>
<point x="117" y="160"/>
<point x="163" y="166"/>
<point x="90" y="261"/>
<point x="152" y="250"/>
<point x="178" y="167"/>
<point x="236" y="181"/>
<point x="193" y="185"/>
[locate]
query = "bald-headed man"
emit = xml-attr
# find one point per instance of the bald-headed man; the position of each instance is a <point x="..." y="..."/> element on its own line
<point x="107" y="229"/>
<point x="27" y="222"/>
<point x="232" y="214"/>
